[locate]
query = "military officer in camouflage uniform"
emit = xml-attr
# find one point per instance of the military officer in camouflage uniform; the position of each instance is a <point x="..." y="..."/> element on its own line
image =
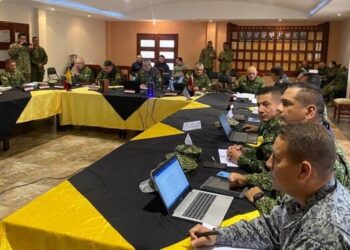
<point x="253" y="159"/>
<point x="315" y="212"/>
<point x="201" y="79"/>
<point x="336" y="88"/>
<point x="11" y="76"/>
<point x="149" y="74"/>
<point x="38" y="59"/>
<point x="207" y="57"/>
<point x="225" y="58"/>
<point x="301" y="102"/>
<point x="111" y="73"/>
<point x="20" y="53"/>
<point x="81" y="73"/>
<point x="250" y="83"/>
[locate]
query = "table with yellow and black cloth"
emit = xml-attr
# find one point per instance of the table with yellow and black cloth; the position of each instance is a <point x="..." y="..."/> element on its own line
<point x="102" y="206"/>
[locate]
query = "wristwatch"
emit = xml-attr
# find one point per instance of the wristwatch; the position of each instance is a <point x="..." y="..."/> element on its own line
<point x="258" y="196"/>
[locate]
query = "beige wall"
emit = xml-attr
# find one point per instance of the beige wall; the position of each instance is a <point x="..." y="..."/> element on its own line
<point x="121" y="39"/>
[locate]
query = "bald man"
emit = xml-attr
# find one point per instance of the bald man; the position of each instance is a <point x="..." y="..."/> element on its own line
<point x="250" y="83"/>
<point x="82" y="74"/>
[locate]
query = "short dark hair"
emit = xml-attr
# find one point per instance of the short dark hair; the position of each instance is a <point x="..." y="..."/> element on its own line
<point x="162" y="56"/>
<point x="180" y="59"/>
<point x="310" y="142"/>
<point x="34" y="37"/>
<point x="269" y="89"/>
<point x="21" y="34"/>
<point x="309" y="94"/>
<point x="225" y="43"/>
<point x="108" y="63"/>
<point x="277" y="70"/>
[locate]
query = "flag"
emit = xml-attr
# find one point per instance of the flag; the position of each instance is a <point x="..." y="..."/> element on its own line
<point x="69" y="76"/>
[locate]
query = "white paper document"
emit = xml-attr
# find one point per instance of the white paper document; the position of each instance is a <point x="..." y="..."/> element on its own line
<point x="224" y="159"/>
<point x="189" y="126"/>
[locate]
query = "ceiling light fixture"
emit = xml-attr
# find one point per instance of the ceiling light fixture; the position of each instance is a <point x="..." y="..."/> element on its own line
<point x="339" y="14"/>
<point x="89" y="16"/>
<point x="210" y="21"/>
<point x="53" y="9"/>
<point x="154" y="22"/>
<point x="280" y="20"/>
<point x="318" y="7"/>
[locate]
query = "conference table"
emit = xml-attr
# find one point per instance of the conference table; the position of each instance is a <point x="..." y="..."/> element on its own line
<point x="102" y="207"/>
<point x="113" y="109"/>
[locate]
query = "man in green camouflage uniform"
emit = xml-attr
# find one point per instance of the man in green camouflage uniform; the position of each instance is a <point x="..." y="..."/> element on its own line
<point x="110" y="72"/>
<point x="301" y="102"/>
<point x="11" y="76"/>
<point x="337" y="87"/>
<point x="20" y="53"/>
<point x="207" y="57"/>
<point x="253" y="159"/>
<point x="250" y="83"/>
<point x="38" y="59"/>
<point x="81" y="73"/>
<point x="225" y="59"/>
<point x="201" y="79"/>
<point x="149" y="74"/>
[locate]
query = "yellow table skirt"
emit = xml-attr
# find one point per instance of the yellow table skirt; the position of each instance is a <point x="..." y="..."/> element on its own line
<point x="90" y="108"/>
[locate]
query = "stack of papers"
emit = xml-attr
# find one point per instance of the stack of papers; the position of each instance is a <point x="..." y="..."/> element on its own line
<point x="2" y="88"/>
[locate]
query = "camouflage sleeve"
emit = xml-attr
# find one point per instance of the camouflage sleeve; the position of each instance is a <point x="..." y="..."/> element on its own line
<point x="261" y="180"/>
<point x="23" y="80"/>
<point x="265" y="204"/>
<point x="207" y="83"/>
<point x="99" y="76"/>
<point x="200" y="59"/>
<point x="14" y="51"/>
<point x="4" y="80"/>
<point x="230" y="56"/>
<point x="45" y="58"/>
<point x="118" y="79"/>
<point x="260" y="233"/>
<point x="342" y="168"/>
<point x="158" y="79"/>
<point x="251" y="164"/>
<point x="86" y="76"/>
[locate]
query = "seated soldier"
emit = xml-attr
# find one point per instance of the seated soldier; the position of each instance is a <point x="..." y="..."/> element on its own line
<point x="279" y="78"/>
<point x="253" y="159"/>
<point x="315" y="212"/>
<point x="149" y="74"/>
<point x="250" y="83"/>
<point x="81" y="74"/>
<point x="336" y="88"/>
<point x="136" y="66"/>
<point x="301" y="102"/>
<point x="111" y="73"/>
<point x="303" y="67"/>
<point x="199" y="79"/>
<point x="161" y="65"/>
<point x="11" y="76"/>
<point x="178" y="70"/>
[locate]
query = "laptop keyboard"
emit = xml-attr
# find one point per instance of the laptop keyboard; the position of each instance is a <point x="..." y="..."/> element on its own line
<point x="199" y="206"/>
<point x="239" y="137"/>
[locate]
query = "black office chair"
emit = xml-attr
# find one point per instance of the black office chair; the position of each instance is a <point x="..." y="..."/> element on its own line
<point x="52" y="72"/>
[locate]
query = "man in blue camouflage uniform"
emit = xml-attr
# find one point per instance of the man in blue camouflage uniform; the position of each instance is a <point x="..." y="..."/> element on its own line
<point x="253" y="159"/>
<point x="301" y="102"/>
<point x="315" y="213"/>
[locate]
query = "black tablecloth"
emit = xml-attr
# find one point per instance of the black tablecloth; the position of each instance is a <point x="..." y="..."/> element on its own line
<point x="12" y="103"/>
<point x="111" y="184"/>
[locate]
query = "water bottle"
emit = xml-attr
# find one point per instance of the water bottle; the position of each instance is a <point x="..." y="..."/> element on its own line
<point x="150" y="89"/>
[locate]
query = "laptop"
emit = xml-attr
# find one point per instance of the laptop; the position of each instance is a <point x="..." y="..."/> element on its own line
<point x="235" y="136"/>
<point x="131" y="86"/>
<point x="181" y="201"/>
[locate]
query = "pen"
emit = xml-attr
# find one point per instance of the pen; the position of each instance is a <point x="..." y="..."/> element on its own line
<point x="204" y="234"/>
<point x="213" y="158"/>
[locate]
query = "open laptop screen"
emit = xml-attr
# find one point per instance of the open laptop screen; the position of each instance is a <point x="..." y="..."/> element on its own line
<point x="224" y="123"/>
<point x="171" y="181"/>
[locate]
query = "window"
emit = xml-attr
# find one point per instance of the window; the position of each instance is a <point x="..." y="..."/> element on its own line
<point x="287" y="46"/>
<point x="151" y="46"/>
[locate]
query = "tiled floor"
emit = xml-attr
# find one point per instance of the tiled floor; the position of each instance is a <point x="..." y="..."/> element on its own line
<point x="38" y="150"/>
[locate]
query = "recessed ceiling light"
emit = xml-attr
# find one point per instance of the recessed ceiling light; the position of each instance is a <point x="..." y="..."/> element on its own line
<point x="154" y="22"/>
<point x="339" y="14"/>
<point x="210" y="21"/>
<point x="89" y="16"/>
<point x="280" y="20"/>
<point x="53" y="9"/>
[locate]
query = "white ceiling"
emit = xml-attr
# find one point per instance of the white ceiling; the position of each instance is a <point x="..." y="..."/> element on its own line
<point x="197" y="9"/>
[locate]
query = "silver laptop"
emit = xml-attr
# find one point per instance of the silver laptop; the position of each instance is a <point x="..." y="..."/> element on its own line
<point x="236" y="136"/>
<point x="182" y="201"/>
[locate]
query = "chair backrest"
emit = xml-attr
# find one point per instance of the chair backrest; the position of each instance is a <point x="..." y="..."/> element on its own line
<point x="50" y="72"/>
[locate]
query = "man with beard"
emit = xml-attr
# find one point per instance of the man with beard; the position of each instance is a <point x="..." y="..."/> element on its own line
<point x="111" y="73"/>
